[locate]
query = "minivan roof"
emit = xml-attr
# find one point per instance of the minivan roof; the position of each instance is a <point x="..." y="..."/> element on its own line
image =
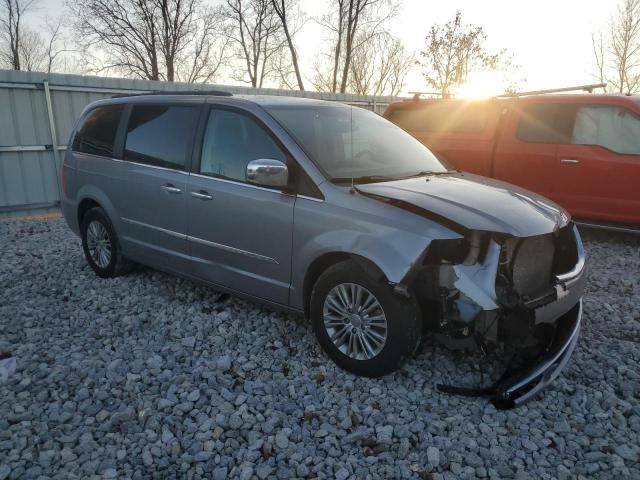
<point x="265" y="100"/>
<point x="274" y="100"/>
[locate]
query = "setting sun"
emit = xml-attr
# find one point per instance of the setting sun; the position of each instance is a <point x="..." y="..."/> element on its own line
<point x="482" y="85"/>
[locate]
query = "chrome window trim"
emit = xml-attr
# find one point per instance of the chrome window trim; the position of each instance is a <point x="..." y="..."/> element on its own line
<point x="94" y="155"/>
<point x="313" y="199"/>
<point x="120" y="160"/>
<point x="239" y="251"/>
<point x="153" y="227"/>
<point x="219" y="246"/>
<point x="235" y="182"/>
<point x="166" y="169"/>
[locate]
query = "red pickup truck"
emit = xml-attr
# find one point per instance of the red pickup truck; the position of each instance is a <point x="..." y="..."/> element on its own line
<point x="583" y="151"/>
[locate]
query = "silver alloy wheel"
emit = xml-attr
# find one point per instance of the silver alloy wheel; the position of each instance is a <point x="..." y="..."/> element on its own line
<point x="355" y="321"/>
<point x="99" y="244"/>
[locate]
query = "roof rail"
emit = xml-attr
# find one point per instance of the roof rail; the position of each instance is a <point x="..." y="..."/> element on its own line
<point x="417" y="95"/>
<point x="217" y="93"/>
<point x="580" y="88"/>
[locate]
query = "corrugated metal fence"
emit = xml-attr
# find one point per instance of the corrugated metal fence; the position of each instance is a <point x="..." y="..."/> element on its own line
<point x="38" y="111"/>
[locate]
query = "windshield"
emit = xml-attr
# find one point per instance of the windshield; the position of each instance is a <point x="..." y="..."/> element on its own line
<point x="350" y="142"/>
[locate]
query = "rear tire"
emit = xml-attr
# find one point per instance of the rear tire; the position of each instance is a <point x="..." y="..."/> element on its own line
<point x="359" y="321"/>
<point x="100" y="245"/>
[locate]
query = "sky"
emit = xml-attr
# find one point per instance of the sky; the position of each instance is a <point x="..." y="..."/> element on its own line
<point x="549" y="39"/>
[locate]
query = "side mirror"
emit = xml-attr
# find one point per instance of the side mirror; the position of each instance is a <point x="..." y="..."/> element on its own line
<point x="267" y="172"/>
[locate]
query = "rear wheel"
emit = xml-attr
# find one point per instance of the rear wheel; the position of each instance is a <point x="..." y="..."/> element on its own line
<point x="100" y="244"/>
<point x="361" y="323"/>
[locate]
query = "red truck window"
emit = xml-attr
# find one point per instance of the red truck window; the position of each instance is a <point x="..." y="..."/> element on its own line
<point x="609" y="126"/>
<point x="442" y="117"/>
<point x="546" y="123"/>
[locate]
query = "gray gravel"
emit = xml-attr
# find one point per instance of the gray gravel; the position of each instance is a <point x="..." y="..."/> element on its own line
<point x="149" y="375"/>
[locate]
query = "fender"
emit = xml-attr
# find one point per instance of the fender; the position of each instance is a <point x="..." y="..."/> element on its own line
<point x="394" y="254"/>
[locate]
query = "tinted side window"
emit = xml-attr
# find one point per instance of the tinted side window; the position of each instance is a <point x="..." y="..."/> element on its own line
<point x="611" y="127"/>
<point x="98" y="131"/>
<point x="546" y="123"/>
<point x="160" y="135"/>
<point x="231" y="141"/>
<point x="456" y="117"/>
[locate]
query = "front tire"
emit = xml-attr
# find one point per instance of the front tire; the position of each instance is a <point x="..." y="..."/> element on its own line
<point x="100" y="245"/>
<point x="359" y="321"/>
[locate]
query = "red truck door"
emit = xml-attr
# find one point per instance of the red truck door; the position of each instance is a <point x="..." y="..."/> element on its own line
<point x="599" y="168"/>
<point x="526" y="148"/>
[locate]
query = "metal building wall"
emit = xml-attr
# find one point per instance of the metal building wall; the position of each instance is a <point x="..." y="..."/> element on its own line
<point x="38" y="112"/>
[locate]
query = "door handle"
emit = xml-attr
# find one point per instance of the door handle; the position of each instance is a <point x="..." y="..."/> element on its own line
<point x="202" y="195"/>
<point x="170" y="188"/>
<point x="570" y="161"/>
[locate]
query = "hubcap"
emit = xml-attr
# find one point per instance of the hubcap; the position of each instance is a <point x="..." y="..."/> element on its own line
<point x="99" y="244"/>
<point x="355" y="321"/>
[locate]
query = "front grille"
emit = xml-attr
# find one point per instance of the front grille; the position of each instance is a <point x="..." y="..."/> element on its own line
<point x="531" y="261"/>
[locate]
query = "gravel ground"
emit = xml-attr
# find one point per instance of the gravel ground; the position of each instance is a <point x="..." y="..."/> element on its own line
<point x="149" y="375"/>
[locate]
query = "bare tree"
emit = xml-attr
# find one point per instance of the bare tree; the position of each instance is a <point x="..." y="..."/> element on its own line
<point x="12" y="13"/>
<point x="617" y="53"/>
<point x="56" y="47"/>
<point x="379" y="65"/>
<point x="599" y="52"/>
<point x="283" y="9"/>
<point x="345" y="25"/>
<point x="23" y="48"/>
<point x="32" y="52"/>
<point x="256" y="34"/>
<point x="283" y="71"/>
<point x="149" y="39"/>
<point x="452" y="51"/>
<point x="209" y="50"/>
<point x="625" y="46"/>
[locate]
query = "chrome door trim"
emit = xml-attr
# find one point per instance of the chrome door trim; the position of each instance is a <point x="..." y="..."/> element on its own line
<point x="153" y="227"/>
<point x="569" y="161"/>
<point x="227" y="248"/>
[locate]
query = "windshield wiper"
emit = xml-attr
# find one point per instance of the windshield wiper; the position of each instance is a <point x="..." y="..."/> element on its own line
<point x="364" y="179"/>
<point x="429" y="173"/>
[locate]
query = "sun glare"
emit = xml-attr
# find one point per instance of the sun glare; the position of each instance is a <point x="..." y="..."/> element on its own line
<point x="481" y="85"/>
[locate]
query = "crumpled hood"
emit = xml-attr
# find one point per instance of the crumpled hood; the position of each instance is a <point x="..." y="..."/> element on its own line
<point x="475" y="203"/>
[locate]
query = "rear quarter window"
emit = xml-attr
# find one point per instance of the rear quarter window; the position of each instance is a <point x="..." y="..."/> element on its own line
<point x="97" y="134"/>
<point x="442" y="117"/>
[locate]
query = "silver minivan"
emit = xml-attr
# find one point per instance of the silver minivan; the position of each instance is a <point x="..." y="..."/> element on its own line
<point x="334" y="212"/>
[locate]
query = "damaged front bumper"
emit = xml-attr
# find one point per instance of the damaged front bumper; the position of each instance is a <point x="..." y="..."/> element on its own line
<point x="548" y="325"/>
<point x="517" y="388"/>
<point x="519" y="385"/>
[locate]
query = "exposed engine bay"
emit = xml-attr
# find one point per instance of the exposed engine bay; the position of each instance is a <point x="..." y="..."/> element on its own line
<point x="492" y="291"/>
